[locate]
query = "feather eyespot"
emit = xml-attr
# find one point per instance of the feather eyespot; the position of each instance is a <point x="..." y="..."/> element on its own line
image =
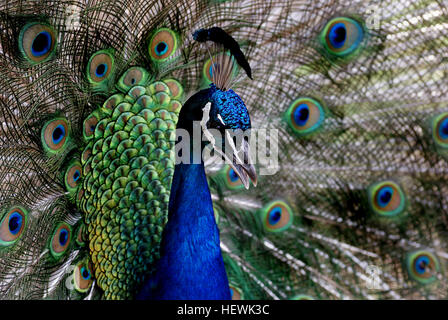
<point x="305" y="116"/>
<point x="163" y="44"/>
<point x="277" y="216"/>
<point x="440" y="130"/>
<point x="422" y="266"/>
<point x="342" y="36"/>
<point x="83" y="277"/>
<point x="232" y="179"/>
<point x="216" y="65"/>
<point x="37" y="42"/>
<point x="72" y="177"/>
<point x="100" y="66"/>
<point x="235" y="293"/>
<point x="387" y="198"/>
<point x="12" y="225"/>
<point x="54" y="135"/>
<point x="134" y="76"/>
<point x="60" y="240"/>
<point x="209" y="66"/>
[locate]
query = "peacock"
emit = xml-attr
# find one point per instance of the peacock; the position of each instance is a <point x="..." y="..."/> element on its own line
<point x="337" y="188"/>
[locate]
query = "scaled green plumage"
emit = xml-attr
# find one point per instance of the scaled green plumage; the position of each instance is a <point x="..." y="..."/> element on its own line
<point x="126" y="184"/>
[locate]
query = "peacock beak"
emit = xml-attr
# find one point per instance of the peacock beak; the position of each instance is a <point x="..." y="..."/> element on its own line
<point x="238" y="158"/>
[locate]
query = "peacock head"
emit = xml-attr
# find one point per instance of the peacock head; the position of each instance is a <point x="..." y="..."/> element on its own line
<point x="228" y="111"/>
<point x="227" y="114"/>
<point x="225" y="123"/>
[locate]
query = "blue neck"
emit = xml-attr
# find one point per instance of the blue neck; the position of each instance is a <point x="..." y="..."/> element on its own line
<point x="191" y="264"/>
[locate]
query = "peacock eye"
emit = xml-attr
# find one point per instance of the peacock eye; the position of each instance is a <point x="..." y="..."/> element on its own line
<point x="161" y="48"/>
<point x="54" y="135"/>
<point x="72" y="176"/>
<point x="134" y="76"/>
<point x="305" y="115"/>
<point x="342" y="36"/>
<point x="422" y="266"/>
<point x="100" y="66"/>
<point x="440" y="130"/>
<point x="12" y="226"/>
<point x="213" y="65"/>
<point x="163" y="44"/>
<point x="82" y="276"/>
<point x="235" y="292"/>
<point x="37" y="42"/>
<point x="60" y="240"/>
<point x="85" y="273"/>
<point x="101" y="70"/>
<point x="231" y="178"/>
<point x="274" y="216"/>
<point x="58" y="134"/>
<point x="277" y="216"/>
<point x="387" y="198"/>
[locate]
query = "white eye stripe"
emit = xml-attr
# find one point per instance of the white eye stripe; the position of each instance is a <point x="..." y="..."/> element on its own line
<point x="220" y="119"/>
<point x="205" y="117"/>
